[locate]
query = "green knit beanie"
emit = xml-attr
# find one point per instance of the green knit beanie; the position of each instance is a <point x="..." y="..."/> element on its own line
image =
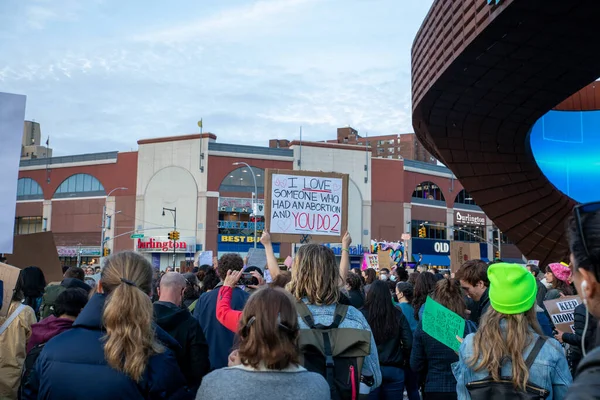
<point x="513" y="289"/>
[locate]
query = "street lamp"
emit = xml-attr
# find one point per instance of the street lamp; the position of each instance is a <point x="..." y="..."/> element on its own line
<point x="254" y="206"/>
<point x="103" y="240"/>
<point x="174" y="213"/>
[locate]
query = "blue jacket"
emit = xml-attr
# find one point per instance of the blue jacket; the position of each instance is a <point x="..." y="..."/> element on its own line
<point x="549" y="370"/>
<point x="219" y="338"/>
<point x="72" y="366"/>
<point x="433" y="358"/>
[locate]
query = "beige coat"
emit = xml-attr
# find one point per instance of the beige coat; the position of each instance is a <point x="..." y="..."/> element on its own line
<point x="13" y="344"/>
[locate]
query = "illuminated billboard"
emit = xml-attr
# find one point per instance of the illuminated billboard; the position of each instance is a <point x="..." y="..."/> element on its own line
<point x="566" y="147"/>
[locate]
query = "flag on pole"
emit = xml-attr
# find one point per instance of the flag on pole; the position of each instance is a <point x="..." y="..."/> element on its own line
<point x="200" y="123"/>
<point x="48" y="141"/>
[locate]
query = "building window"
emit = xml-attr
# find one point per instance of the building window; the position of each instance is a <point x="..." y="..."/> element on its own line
<point x="80" y="185"/>
<point x="428" y="191"/>
<point x="240" y="180"/>
<point x="28" y="189"/>
<point x="463" y="197"/>
<point x="26" y="225"/>
<point x="433" y="230"/>
<point x="380" y="150"/>
<point x="469" y="233"/>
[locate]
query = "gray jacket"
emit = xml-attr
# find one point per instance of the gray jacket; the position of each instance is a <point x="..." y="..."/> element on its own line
<point x="244" y="383"/>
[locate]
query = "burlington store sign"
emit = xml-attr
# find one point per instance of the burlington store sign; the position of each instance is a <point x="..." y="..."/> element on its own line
<point x="161" y="244"/>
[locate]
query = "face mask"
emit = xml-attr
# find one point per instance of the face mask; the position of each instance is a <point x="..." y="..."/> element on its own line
<point x="393" y="278"/>
<point x="383" y="277"/>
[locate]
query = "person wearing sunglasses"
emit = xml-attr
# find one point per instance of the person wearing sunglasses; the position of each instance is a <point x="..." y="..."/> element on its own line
<point x="584" y="242"/>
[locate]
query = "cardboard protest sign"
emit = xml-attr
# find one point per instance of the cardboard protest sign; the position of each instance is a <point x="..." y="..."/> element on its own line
<point x="461" y="252"/>
<point x="12" y="117"/>
<point x="384" y="259"/>
<point x="8" y="276"/>
<point x="257" y="258"/>
<point x="370" y="261"/>
<point x="442" y="324"/>
<point x="561" y="311"/>
<point x="205" y="258"/>
<point x="37" y="249"/>
<point x="306" y="206"/>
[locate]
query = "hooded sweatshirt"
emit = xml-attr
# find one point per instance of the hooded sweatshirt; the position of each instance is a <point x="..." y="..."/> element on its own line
<point x="46" y="329"/>
<point x="185" y="329"/>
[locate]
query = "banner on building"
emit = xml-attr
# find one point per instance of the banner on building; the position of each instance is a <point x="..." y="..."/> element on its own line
<point x="306" y="206"/>
<point x="461" y="252"/>
<point x="562" y="311"/>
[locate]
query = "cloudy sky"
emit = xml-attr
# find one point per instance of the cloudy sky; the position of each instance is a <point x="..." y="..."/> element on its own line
<point x="101" y="74"/>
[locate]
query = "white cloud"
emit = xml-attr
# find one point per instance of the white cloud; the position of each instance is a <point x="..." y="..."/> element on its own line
<point x="239" y="21"/>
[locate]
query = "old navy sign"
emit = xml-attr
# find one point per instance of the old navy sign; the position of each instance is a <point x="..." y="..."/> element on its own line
<point x="430" y="246"/>
<point x="466" y="218"/>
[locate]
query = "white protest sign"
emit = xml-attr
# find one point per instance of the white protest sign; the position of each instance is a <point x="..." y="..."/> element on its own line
<point x="561" y="311"/>
<point x="12" y="118"/>
<point x="306" y="205"/>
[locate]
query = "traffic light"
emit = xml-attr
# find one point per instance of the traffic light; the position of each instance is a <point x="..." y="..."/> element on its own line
<point x="175" y="235"/>
<point x="106" y="252"/>
<point x="422" y="232"/>
<point x="170" y="235"/>
<point x="497" y="255"/>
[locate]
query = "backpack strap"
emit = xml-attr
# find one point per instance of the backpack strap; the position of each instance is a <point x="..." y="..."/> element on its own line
<point x="305" y="314"/>
<point x="535" y="351"/>
<point x="11" y="318"/>
<point x="339" y="315"/>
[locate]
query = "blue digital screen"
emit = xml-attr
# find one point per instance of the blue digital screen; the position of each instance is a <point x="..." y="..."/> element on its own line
<point x="566" y="147"/>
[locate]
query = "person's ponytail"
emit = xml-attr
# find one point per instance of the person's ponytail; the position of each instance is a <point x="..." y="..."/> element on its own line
<point x="127" y="317"/>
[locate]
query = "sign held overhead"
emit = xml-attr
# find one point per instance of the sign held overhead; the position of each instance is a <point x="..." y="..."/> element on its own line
<point x="306" y="204"/>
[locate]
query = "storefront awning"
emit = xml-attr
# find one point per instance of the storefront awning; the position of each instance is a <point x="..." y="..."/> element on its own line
<point x="434" y="259"/>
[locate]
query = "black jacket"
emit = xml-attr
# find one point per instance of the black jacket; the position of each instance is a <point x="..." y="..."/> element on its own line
<point x="72" y="366"/>
<point x="356" y="298"/>
<point x="478" y="308"/>
<point x="193" y="356"/>
<point x="395" y="352"/>
<point x="586" y="385"/>
<point x="574" y="339"/>
<point x="541" y="294"/>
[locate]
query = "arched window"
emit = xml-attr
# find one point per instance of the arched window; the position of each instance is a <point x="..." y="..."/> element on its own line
<point x="28" y="189"/>
<point x="240" y="180"/>
<point x="80" y="185"/>
<point x="428" y="191"/>
<point x="463" y="197"/>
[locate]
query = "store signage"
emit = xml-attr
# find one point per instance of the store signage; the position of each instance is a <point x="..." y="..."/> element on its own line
<point x="241" y="225"/>
<point x="357" y="250"/>
<point x="440" y="247"/>
<point x="73" y="251"/>
<point x="430" y="246"/>
<point x="466" y="218"/>
<point x="163" y="244"/>
<point x="236" y="239"/>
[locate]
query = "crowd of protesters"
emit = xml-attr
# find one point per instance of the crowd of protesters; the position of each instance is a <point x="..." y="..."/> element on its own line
<point x="319" y="330"/>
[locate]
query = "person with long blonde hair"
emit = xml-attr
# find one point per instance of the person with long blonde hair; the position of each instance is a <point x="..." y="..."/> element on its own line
<point x="509" y="354"/>
<point x="112" y="350"/>
<point x="316" y="286"/>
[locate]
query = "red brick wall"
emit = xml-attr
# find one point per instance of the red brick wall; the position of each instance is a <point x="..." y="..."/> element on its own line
<point x="387" y="212"/>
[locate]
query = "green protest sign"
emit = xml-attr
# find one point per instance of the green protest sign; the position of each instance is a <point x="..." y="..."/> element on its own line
<point x="442" y="324"/>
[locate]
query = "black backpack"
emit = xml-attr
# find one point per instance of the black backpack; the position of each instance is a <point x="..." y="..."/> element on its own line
<point x="489" y="389"/>
<point x="28" y="365"/>
<point x="333" y="352"/>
